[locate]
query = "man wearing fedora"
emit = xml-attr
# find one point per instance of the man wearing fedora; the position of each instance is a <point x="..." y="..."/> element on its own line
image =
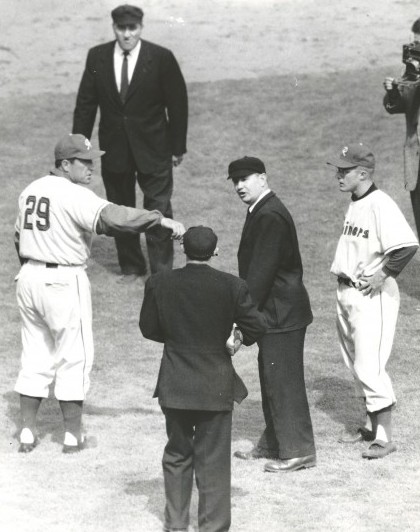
<point x="269" y="261"/>
<point x="192" y="311"/>
<point x="141" y="94"/>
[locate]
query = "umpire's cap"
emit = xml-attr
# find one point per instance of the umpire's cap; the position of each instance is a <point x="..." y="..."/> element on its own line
<point x="245" y="166"/>
<point x="354" y="155"/>
<point x="75" y="147"/>
<point x="199" y="242"/>
<point x="127" y="14"/>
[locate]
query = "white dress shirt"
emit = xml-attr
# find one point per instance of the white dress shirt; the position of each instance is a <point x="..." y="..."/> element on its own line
<point x="260" y="197"/>
<point x="118" y="61"/>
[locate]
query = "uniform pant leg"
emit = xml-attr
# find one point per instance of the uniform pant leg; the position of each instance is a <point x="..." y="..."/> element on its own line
<point x="372" y="322"/>
<point x="282" y="355"/>
<point x="120" y="188"/>
<point x="212" y="463"/>
<point x="157" y="190"/>
<point x="178" y="466"/>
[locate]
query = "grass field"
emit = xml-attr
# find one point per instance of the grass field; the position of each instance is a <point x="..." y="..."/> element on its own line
<point x="117" y="486"/>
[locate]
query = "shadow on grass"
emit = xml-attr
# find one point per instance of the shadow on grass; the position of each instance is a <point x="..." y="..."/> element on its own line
<point x="154" y="490"/>
<point x="338" y="401"/>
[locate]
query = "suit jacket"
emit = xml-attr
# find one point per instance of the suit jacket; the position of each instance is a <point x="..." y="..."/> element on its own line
<point x="269" y="260"/>
<point x="192" y="310"/>
<point x="152" y="123"/>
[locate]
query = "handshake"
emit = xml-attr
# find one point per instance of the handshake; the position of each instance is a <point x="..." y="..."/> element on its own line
<point x="234" y="342"/>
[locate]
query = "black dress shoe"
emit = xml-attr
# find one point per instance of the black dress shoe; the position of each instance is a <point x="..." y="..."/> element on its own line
<point x="292" y="464"/>
<point x="379" y="449"/>
<point x="255" y="454"/>
<point x="362" y="434"/>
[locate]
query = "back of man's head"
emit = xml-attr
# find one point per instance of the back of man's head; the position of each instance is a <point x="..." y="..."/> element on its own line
<point x="199" y="243"/>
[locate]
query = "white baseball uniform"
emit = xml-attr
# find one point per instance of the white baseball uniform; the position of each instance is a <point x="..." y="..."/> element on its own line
<point x="373" y="227"/>
<point x="55" y="224"/>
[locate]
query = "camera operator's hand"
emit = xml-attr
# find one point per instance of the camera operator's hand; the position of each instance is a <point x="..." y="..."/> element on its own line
<point x="388" y="83"/>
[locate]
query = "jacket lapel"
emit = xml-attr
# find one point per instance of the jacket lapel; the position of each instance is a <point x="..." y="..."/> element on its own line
<point x="252" y="214"/>
<point x="141" y="69"/>
<point x="108" y="71"/>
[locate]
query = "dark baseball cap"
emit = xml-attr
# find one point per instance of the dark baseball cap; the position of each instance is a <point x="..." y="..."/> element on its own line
<point x="354" y="155"/>
<point x="75" y="147"/>
<point x="245" y="167"/>
<point x="127" y="14"/>
<point x="199" y="242"/>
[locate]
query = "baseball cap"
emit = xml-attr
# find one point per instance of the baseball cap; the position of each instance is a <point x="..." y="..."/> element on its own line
<point x="199" y="242"/>
<point x="354" y="155"/>
<point x="127" y="14"/>
<point x="245" y="166"/>
<point x="75" y="147"/>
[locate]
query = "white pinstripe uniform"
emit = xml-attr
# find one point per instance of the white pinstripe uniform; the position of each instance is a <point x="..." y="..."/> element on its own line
<point x="373" y="227"/>
<point x="55" y="223"/>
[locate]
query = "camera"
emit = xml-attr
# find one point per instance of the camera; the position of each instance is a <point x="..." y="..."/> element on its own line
<point x="411" y="59"/>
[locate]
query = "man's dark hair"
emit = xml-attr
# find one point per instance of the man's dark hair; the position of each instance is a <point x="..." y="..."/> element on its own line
<point x="415" y="28"/>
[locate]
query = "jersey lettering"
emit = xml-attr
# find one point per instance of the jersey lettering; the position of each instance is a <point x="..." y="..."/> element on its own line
<point x="41" y="208"/>
<point x="355" y="231"/>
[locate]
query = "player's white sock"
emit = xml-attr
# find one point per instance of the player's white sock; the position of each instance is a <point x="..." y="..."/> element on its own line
<point x="26" y="436"/>
<point x="70" y="439"/>
<point x="381" y="433"/>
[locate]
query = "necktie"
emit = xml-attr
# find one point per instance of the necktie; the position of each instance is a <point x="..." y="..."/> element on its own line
<point x="124" y="77"/>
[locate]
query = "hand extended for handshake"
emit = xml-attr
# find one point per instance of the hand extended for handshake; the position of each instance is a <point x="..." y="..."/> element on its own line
<point x="234" y="342"/>
<point x="177" y="228"/>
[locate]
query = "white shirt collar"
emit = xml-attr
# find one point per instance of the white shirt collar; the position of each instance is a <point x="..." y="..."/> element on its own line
<point x="260" y="197"/>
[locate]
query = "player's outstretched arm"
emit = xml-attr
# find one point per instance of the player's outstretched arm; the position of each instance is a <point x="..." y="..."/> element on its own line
<point x="115" y="219"/>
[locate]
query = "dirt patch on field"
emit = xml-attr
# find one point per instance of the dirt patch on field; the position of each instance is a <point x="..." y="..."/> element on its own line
<point x="43" y="43"/>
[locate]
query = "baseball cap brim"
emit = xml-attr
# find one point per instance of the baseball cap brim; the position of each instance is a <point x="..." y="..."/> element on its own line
<point x="92" y="154"/>
<point x="341" y="163"/>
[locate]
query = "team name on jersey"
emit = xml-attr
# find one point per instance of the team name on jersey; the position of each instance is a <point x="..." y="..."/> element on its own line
<point x="355" y="231"/>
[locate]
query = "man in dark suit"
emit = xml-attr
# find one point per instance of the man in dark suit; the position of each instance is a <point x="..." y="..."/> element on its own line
<point x="192" y="311"/>
<point x="141" y="94"/>
<point x="269" y="260"/>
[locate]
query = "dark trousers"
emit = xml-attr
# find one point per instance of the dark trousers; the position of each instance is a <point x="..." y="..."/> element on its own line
<point x="157" y="192"/>
<point x="198" y="441"/>
<point x="288" y="430"/>
<point x="415" y="202"/>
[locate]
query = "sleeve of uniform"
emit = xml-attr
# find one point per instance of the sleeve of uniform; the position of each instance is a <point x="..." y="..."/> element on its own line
<point x="149" y="314"/>
<point x="392" y="228"/>
<point x="114" y="219"/>
<point x="269" y="251"/>
<point x="250" y="321"/>
<point x="85" y="208"/>
<point x="87" y="100"/>
<point x="176" y="100"/>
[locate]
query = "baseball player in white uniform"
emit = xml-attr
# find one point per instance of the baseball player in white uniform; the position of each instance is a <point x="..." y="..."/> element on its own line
<point x="375" y="245"/>
<point x="57" y="218"/>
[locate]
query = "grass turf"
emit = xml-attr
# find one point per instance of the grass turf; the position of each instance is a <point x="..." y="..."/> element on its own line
<point x="293" y="125"/>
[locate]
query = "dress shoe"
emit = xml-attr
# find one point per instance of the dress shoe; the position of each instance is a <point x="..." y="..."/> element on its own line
<point x="254" y="454"/>
<point x="362" y="434"/>
<point x="379" y="449"/>
<point x="291" y="464"/>
<point x="28" y="447"/>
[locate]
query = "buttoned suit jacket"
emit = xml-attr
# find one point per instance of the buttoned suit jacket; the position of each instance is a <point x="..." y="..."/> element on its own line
<point x="192" y="310"/>
<point x="270" y="262"/>
<point x="152" y="123"/>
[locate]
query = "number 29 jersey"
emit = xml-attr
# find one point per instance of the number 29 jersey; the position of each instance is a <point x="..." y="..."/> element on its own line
<point x="56" y="221"/>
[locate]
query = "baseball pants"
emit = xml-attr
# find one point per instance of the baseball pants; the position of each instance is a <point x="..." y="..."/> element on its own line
<point x="366" y="327"/>
<point x="57" y="342"/>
